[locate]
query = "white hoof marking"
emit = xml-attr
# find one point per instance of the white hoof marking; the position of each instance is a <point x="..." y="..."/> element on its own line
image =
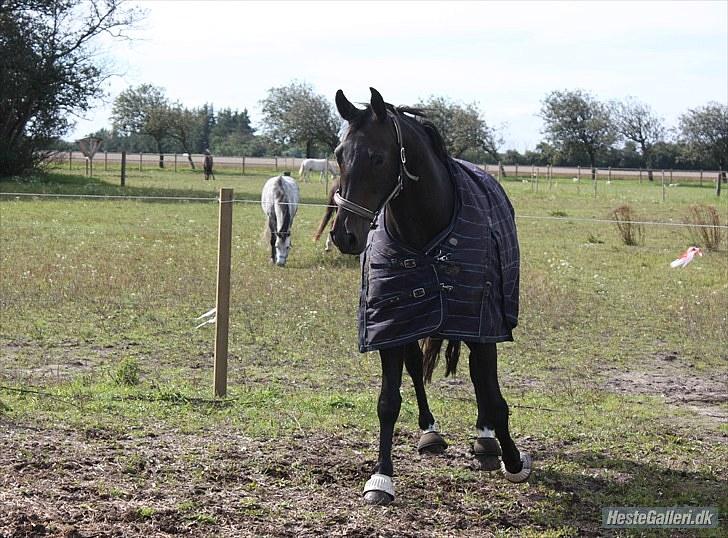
<point x="523" y="474"/>
<point x="380" y="482"/>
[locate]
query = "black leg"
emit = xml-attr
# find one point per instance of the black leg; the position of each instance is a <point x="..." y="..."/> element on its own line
<point x="390" y="402"/>
<point x="486" y="447"/>
<point x="492" y="407"/>
<point x="413" y="363"/>
<point x="430" y="441"/>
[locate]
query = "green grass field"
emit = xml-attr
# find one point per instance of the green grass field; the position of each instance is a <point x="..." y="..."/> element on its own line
<point x="616" y="380"/>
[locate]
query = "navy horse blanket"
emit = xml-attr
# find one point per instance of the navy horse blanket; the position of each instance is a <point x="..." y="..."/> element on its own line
<point x="463" y="286"/>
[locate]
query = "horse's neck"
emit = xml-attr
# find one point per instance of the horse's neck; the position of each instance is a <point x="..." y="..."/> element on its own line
<point x="283" y="216"/>
<point x="424" y="208"/>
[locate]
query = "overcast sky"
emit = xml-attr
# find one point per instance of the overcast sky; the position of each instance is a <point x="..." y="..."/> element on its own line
<point x="505" y="56"/>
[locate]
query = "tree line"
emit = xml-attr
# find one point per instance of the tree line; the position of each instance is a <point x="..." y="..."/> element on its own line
<point x="579" y="129"/>
<point x="50" y="72"/>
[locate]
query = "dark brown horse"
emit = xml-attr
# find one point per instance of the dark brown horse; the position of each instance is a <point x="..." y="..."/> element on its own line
<point x="330" y="210"/>
<point x="438" y="262"/>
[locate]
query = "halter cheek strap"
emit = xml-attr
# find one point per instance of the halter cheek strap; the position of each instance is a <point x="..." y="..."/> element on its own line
<point x="362" y="211"/>
<point x="402" y="152"/>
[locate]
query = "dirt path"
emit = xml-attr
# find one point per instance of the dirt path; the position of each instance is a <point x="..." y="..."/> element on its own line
<point x="59" y="482"/>
<point x="666" y="374"/>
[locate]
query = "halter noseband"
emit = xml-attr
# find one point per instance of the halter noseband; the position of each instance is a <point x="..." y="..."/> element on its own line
<point x="362" y="211"/>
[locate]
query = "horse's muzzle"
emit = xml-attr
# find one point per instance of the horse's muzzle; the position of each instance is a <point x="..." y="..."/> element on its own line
<point x="349" y="233"/>
<point x="347" y="242"/>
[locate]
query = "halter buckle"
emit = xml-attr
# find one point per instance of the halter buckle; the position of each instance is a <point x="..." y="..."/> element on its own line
<point x="402" y="155"/>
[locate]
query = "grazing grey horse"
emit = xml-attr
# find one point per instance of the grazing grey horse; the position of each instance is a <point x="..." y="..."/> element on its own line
<point x="279" y="201"/>
<point x="317" y="165"/>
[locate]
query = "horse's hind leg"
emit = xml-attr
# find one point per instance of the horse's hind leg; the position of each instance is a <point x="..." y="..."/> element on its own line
<point x="430" y="441"/>
<point x="486" y="447"/>
<point x="493" y="415"/>
<point x="379" y="489"/>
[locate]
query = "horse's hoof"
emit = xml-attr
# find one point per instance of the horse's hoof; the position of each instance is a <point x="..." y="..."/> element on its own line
<point x="379" y="490"/>
<point x="487" y="451"/>
<point x="431" y="443"/>
<point x="378" y="498"/>
<point x="523" y="474"/>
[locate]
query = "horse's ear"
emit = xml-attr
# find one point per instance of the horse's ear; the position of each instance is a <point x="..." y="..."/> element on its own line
<point x="378" y="106"/>
<point x="347" y="111"/>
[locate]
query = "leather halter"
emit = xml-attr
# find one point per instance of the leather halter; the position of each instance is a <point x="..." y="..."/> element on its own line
<point x="362" y="211"/>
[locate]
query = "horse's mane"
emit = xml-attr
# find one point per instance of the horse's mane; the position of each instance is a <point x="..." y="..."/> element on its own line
<point x="417" y="118"/>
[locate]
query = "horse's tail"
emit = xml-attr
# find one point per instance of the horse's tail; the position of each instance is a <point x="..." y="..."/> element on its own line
<point x="431" y="354"/>
<point x="329" y="211"/>
<point x="300" y="170"/>
<point x="324" y="221"/>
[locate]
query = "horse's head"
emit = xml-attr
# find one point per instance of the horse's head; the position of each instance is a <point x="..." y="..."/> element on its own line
<point x="369" y="161"/>
<point x="283" y="247"/>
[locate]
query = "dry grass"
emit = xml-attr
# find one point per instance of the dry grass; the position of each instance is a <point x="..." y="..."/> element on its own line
<point x="705" y="230"/>
<point x="630" y="230"/>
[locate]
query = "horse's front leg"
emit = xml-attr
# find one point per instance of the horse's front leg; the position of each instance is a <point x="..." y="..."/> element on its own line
<point x="492" y="421"/>
<point x="430" y="441"/>
<point x="379" y="489"/>
<point x="272" y="226"/>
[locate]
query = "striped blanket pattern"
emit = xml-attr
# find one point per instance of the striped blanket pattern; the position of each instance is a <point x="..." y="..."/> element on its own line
<point x="463" y="286"/>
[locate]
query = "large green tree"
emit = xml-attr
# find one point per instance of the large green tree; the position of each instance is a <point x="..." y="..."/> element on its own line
<point x="184" y="126"/>
<point x="636" y="122"/>
<point x="575" y="122"/>
<point x="295" y="114"/>
<point x="49" y="70"/>
<point x="462" y="127"/>
<point x="704" y="131"/>
<point x="143" y="110"/>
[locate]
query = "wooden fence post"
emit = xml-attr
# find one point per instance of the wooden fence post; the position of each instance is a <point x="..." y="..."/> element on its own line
<point x="87" y="160"/>
<point x="551" y="176"/>
<point x="578" y="173"/>
<point x="516" y="174"/>
<point x="175" y="163"/>
<point x="276" y="164"/>
<point x="671" y="176"/>
<point x="123" y="168"/>
<point x="140" y="161"/>
<point x="595" y="176"/>
<point x="106" y="161"/>
<point x="718" y="182"/>
<point x="533" y="175"/>
<point x="663" y="185"/>
<point x="609" y="174"/>
<point x="223" y="291"/>
<point x="242" y="172"/>
<point x="70" y="160"/>
<point x="701" y="178"/>
<point x="640" y="176"/>
<point x="499" y="171"/>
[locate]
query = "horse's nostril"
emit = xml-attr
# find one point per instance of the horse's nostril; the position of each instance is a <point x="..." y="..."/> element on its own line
<point x="351" y="240"/>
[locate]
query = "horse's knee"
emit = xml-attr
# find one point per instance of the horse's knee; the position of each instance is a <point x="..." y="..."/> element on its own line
<point x="389" y="405"/>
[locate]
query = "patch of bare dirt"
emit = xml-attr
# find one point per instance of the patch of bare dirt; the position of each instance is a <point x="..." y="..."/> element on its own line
<point x="667" y="374"/>
<point x="59" y="482"/>
<point x="57" y="363"/>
